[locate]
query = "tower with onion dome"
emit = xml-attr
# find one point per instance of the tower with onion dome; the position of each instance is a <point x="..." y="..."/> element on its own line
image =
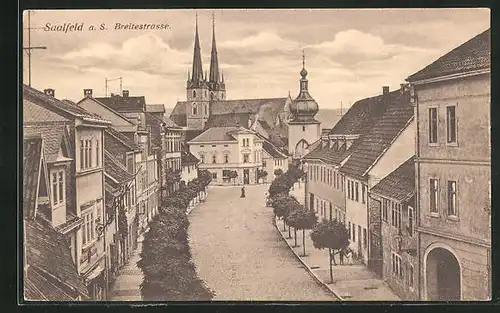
<point x="303" y="129"/>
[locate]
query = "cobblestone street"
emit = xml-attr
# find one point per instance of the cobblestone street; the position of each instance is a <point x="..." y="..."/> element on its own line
<point x="241" y="256"/>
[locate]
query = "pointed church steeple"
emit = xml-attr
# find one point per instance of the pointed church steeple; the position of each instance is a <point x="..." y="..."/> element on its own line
<point x="197" y="71"/>
<point x="214" y="62"/>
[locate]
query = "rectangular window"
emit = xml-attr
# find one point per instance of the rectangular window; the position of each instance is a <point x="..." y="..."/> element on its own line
<point x="54" y="189"/>
<point x="226" y="158"/>
<point x="385" y="209"/>
<point x="410" y="221"/>
<point x="396" y="265"/>
<point x="246" y="158"/>
<point x="353" y="232"/>
<point x="451" y="125"/>
<point x="357" y="192"/>
<point x="360" y="234"/>
<point x="365" y="238"/>
<point x="88" y="231"/>
<point x="82" y="154"/>
<point x="214" y="175"/>
<point x="214" y="159"/>
<point x="202" y="158"/>
<point x="410" y="276"/>
<point x="60" y="193"/>
<point x="264" y="164"/>
<point x="433" y="125"/>
<point x="396" y="214"/>
<point x="89" y="153"/>
<point x="97" y="153"/>
<point x="452" y="198"/>
<point x="350" y="233"/>
<point x="348" y="189"/>
<point x="433" y="205"/>
<point x="363" y="193"/>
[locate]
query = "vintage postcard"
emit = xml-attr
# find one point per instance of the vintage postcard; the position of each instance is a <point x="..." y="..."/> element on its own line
<point x="239" y="155"/>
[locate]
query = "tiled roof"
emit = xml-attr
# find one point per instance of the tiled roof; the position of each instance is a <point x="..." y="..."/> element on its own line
<point x="333" y="155"/>
<point x="274" y="137"/>
<point x="124" y="104"/>
<point x="216" y="134"/>
<point x="32" y="152"/>
<point x="52" y="135"/>
<point x="115" y="169"/>
<point x="39" y="288"/>
<point x="371" y="146"/>
<point x="267" y="108"/>
<point x="400" y="184"/>
<point x="36" y="113"/>
<point x="192" y="133"/>
<point x="228" y="120"/>
<point x="71" y="221"/>
<point x="187" y="158"/>
<point x="47" y="252"/>
<point x="362" y="114"/>
<point x="155" y="108"/>
<point x="474" y="54"/>
<point x="126" y="141"/>
<point x="40" y="98"/>
<point x="273" y="151"/>
<point x="169" y="123"/>
<point x="155" y="126"/>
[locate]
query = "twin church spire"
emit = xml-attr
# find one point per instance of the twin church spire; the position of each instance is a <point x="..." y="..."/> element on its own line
<point x="215" y="81"/>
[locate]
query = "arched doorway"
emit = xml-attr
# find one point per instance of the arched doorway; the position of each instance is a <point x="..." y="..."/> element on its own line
<point x="442" y="275"/>
<point x="301" y="148"/>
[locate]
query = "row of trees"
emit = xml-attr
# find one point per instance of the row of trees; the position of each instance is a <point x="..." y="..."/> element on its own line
<point x="331" y="234"/>
<point x="166" y="260"/>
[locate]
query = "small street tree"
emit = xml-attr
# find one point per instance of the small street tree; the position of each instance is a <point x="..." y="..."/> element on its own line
<point x="261" y="174"/>
<point x="330" y="234"/>
<point x="302" y="219"/>
<point x="278" y="172"/>
<point x="280" y="206"/>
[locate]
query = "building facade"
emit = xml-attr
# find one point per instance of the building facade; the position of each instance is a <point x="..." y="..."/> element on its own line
<point x="393" y="218"/>
<point x="222" y="150"/>
<point x="86" y="136"/>
<point x="452" y="104"/>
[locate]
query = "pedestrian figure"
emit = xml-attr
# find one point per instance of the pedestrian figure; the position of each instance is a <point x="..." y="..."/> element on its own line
<point x="332" y="256"/>
<point x="242" y="192"/>
<point x="342" y="256"/>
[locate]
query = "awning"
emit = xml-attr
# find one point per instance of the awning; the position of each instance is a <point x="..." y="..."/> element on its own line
<point x="95" y="273"/>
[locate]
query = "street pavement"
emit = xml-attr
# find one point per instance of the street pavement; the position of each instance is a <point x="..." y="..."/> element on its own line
<point x="128" y="282"/>
<point x="240" y="255"/>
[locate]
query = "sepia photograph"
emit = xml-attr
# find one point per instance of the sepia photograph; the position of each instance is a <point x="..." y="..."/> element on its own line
<point x="274" y="155"/>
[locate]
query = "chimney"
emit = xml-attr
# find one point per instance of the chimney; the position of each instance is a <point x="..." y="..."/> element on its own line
<point x="87" y="93"/>
<point x="50" y="92"/>
<point x="125" y="93"/>
<point x="385" y="90"/>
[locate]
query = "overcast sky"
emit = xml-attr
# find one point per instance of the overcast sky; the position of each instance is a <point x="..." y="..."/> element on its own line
<point x="350" y="54"/>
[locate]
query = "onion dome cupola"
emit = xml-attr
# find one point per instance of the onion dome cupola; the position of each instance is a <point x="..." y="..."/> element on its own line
<point x="304" y="107"/>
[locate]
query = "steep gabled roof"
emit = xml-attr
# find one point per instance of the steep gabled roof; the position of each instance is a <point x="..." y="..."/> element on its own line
<point x="187" y="158"/>
<point x="400" y="184"/>
<point x="333" y="155"/>
<point x="124" y="104"/>
<point x="115" y="169"/>
<point x="272" y="150"/>
<point x="32" y="154"/>
<point x="472" y="55"/>
<point x="126" y="141"/>
<point x="123" y="117"/>
<point x="66" y="108"/>
<point x="362" y="114"/>
<point x="386" y="129"/>
<point x="216" y="134"/>
<point x="274" y="137"/>
<point x="33" y="113"/>
<point x="52" y="134"/>
<point x="169" y="123"/>
<point x="155" y="108"/>
<point x="55" y="274"/>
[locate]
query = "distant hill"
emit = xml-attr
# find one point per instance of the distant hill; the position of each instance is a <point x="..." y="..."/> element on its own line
<point x="327" y="117"/>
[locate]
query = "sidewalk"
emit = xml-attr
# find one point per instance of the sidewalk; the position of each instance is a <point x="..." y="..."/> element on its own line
<point x="127" y="284"/>
<point x="350" y="282"/>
